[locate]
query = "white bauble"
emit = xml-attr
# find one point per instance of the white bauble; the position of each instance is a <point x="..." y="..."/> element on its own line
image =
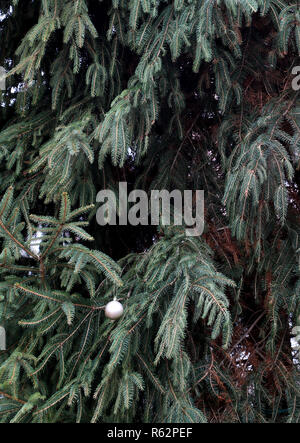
<point x="114" y="310"/>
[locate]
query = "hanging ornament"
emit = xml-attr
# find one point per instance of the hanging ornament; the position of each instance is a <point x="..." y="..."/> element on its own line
<point x="114" y="310"/>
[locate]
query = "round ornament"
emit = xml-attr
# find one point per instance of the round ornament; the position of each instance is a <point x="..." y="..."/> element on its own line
<point x="114" y="310"/>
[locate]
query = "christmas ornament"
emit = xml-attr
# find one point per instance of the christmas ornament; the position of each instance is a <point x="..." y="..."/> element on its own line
<point x="114" y="310"/>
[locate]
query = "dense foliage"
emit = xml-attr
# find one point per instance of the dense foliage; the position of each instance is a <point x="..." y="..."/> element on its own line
<point x="170" y="94"/>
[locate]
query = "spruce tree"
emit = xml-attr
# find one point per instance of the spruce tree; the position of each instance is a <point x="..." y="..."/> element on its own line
<point x="170" y="94"/>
